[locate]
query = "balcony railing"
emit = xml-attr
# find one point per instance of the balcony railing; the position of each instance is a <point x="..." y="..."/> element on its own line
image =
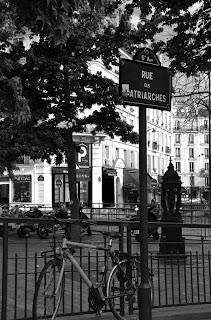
<point x="186" y="129"/>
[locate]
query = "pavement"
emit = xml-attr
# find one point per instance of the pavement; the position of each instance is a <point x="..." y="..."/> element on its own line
<point x="188" y="312"/>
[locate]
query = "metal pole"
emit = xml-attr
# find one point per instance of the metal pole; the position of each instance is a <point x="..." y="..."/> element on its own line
<point x="209" y="144"/>
<point x="144" y="291"/>
<point x="191" y="196"/>
<point x="4" y="272"/>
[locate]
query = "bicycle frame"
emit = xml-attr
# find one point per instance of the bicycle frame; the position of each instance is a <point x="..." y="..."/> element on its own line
<point x="70" y="257"/>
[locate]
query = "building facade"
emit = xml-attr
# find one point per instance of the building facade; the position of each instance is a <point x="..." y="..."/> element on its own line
<point x="190" y="152"/>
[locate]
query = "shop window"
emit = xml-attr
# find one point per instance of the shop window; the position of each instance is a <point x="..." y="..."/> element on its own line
<point x="22" y="188"/>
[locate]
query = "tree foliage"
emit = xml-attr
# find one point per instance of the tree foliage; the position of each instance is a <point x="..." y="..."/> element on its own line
<point x="63" y="95"/>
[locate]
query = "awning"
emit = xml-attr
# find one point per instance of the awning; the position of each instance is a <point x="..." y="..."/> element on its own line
<point x="4" y="178"/>
<point x="111" y="172"/>
<point x="131" y="179"/>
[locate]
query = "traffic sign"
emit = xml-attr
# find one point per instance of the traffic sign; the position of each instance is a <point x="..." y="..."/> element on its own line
<point x="59" y="183"/>
<point x="144" y="84"/>
<point x="83" y="157"/>
<point x="154" y="183"/>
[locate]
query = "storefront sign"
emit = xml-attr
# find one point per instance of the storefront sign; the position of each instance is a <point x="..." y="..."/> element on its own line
<point x="83" y="175"/>
<point x="23" y="178"/>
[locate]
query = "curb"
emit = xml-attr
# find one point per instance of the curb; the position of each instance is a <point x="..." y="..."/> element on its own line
<point x="188" y="312"/>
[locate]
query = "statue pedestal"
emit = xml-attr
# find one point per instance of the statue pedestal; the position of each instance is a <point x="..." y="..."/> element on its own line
<point x="171" y="241"/>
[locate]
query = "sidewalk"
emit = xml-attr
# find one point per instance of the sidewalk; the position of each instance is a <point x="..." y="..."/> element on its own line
<point x="191" y="312"/>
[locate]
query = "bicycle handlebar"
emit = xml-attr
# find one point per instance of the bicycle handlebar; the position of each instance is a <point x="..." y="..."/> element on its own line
<point x="70" y="221"/>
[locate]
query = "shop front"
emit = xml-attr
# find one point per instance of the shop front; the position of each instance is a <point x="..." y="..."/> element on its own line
<point x="131" y="186"/>
<point x="4" y="190"/>
<point x="108" y="183"/>
<point x="60" y="185"/>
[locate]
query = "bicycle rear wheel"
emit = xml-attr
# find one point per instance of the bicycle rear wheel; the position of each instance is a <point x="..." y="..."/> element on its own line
<point x="122" y="290"/>
<point x="48" y="291"/>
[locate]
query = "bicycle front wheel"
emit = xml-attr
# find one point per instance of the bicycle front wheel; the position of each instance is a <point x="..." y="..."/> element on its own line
<point x="122" y="290"/>
<point x="48" y="291"/>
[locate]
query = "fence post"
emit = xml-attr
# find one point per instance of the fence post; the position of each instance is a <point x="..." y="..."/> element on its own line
<point x="4" y="272"/>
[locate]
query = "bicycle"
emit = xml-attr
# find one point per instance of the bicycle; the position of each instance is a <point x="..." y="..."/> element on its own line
<point x="119" y="287"/>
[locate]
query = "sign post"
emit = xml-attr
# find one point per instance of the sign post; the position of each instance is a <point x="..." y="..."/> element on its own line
<point x="144" y="83"/>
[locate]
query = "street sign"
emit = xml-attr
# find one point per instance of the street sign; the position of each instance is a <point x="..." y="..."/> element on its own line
<point x="144" y="84"/>
<point x="153" y="183"/>
<point x="83" y="157"/>
<point x="59" y="183"/>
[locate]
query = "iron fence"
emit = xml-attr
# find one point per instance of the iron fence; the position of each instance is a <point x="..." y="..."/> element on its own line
<point x="178" y="279"/>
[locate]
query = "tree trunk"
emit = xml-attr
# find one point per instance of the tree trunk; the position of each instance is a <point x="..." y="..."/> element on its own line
<point x="71" y="163"/>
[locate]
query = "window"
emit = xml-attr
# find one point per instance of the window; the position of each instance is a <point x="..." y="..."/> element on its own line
<point x="22" y="188"/>
<point x="206" y="166"/>
<point x="125" y="156"/>
<point x="192" y="180"/>
<point x="191" y="153"/>
<point x="177" y="152"/>
<point x="191" y="166"/>
<point x="177" y="125"/>
<point x="205" y="124"/>
<point x="191" y="138"/>
<point x="25" y="160"/>
<point x="107" y="152"/>
<point x="206" y="152"/>
<point x="117" y="153"/>
<point x="132" y="159"/>
<point x="106" y="156"/>
<point x="177" y="138"/>
<point x="206" y="138"/>
<point x="178" y="166"/>
<point x="207" y="181"/>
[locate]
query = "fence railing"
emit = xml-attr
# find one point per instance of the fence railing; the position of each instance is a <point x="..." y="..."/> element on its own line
<point x="178" y="279"/>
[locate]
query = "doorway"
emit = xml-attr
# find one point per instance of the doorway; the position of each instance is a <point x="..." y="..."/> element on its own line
<point x="4" y="194"/>
<point x="107" y="190"/>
